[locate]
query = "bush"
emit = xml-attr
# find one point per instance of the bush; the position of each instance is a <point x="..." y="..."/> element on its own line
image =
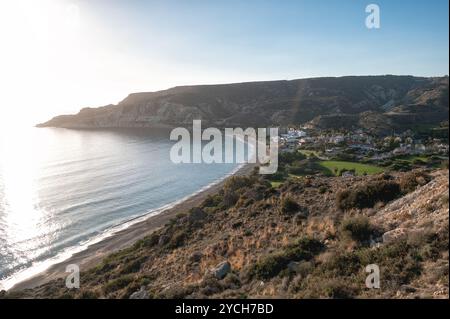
<point x="118" y="283"/>
<point x="367" y="195"/>
<point x="400" y="165"/>
<point x="399" y="260"/>
<point x="148" y="241"/>
<point x="235" y="183"/>
<point x="269" y="266"/>
<point x="410" y="181"/>
<point x="212" y="201"/>
<point x="419" y="162"/>
<point x="290" y="157"/>
<point x="176" y="291"/>
<point x="357" y="228"/>
<point x="289" y="206"/>
<point x="273" y="264"/>
<point x="133" y="265"/>
<point x="177" y="239"/>
<point x="88" y="294"/>
<point x="344" y="264"/>
<point x="279" y="176"/>
<point x="337" y="289"/>
<point x="232" y="187"/>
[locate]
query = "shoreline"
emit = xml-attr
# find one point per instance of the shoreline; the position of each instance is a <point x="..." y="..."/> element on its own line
<point x="124" y="238"/>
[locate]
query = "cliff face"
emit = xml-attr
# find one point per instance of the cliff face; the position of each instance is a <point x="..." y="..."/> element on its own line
<point x="389" y="100"/>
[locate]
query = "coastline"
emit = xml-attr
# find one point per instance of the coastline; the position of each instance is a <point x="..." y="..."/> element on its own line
<point x="124" y="238"/>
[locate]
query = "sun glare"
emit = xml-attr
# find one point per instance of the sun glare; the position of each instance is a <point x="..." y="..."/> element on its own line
<point x="38" y="39"/>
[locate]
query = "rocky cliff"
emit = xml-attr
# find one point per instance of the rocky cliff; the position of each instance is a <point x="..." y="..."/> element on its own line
<point x="362" y="101"/>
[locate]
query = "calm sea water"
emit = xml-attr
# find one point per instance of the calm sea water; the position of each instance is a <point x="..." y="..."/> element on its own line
<point x="61" y="190"/>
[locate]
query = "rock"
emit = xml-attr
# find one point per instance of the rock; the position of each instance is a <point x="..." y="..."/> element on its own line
<point x="140" y="294"/>
<point x="393" y="235"/>
<point x="196" y="256"/>
<point x="221" y="270"/>
<point x="407" y="289"/>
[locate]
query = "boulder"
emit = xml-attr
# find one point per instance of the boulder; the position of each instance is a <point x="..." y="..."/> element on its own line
<point x="196" y="256"/>
<point x="407" y="289"/>
<point x="140" y="294"/>
<point x="221" y="270"/>
<point x="395" y="234"/>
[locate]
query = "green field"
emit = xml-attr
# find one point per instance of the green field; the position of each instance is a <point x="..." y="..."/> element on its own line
<point x="276" y="184"/>
<point x="412" y="158"/>
<point x="335" y="167"/>
<point x="308" y="153"/>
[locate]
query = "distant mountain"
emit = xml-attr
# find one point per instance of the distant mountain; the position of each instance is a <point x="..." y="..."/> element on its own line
<point x="372" y="102"/>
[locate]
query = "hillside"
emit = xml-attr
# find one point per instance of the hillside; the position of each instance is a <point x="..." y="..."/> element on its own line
<point x="373" y="102"/>
<point x="308" y="238"/>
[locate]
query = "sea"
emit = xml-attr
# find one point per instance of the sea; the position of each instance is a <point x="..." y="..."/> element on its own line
<point x="62" y="190"/>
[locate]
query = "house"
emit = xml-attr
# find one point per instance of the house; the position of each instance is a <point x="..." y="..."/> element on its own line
<point x="363" y="148"/>
<point x="333" y="151"/>
<point x="304" y="141"/>
<point x="419" y="148"/>
<point x="337" y="139"/>
<point x="292" y="133"/>
<point x="348" y="174"/>
<point x="402" y="150"/>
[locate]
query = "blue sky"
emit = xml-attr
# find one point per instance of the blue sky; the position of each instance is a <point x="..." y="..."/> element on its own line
<point x="285" y="39"/>
<point x="68" y="54"/>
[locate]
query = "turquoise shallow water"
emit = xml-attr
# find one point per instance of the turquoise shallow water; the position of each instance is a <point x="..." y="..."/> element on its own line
<point x="61" y="189"/>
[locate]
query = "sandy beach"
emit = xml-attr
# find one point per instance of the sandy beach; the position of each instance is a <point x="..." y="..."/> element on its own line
<point x="122" y="239"/>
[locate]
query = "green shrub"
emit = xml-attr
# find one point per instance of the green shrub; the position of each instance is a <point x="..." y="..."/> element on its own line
<point x="367" y="195"/>
<point x="409" y="182"/>
<point x="269" y="266"/>
<point x="88" y="294"/>
<point x="338" y="289"/>
<point x="273" y="264"/>
<point x="212" y="201"/>
<point x="118" y="283"/>
<point x="232" y="189"/>
<point x="177" y="239"/>
<point x="290" y="157"/>
<point x="148" y="241"/>
<point x="279" y="176"/>
<point x="419" y="162"/>
<point x="399" y="262"/>
<point x="133" y="265"/>
<point x="358" y="228"/>
<point x="400" y="165"/>
<point x="289" y="206"/>
<point x="322" y="189"/>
